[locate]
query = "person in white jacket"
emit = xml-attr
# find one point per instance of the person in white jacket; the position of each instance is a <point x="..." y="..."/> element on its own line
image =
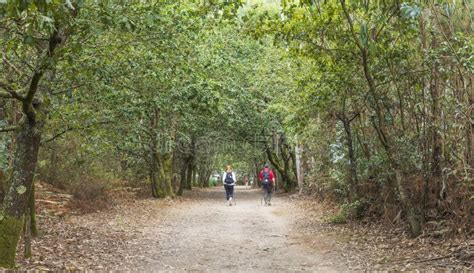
<point x="229" y="179"/>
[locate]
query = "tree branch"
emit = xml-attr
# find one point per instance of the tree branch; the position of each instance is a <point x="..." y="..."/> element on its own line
<point x="10" y="93"/>
<point x="12" y="66"/>
<point x="10" y="128"/>
<point x="351" y="25"/>
<point x="68" y="129"/>
<point x="5" y="95"/>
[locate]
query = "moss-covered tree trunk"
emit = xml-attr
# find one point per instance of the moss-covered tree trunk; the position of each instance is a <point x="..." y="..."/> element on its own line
<point x="154" y="173"/>
<point x="206" y="178"/>
<point x="166" y="168"/>
<point x="16" y="200"/>
<point x="283" y="163"/>
<point x="159" y="187"/>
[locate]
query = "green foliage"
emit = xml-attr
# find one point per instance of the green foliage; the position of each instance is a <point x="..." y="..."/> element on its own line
<point x="338" y="218"/>
<point x="140" y="90"/>
<point x="213" y="182"/>
<point x="355" y="210"/>
<point x="10" y="229"/>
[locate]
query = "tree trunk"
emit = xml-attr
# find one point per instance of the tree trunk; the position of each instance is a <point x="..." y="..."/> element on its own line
<point x="154" y="179"/>
<point x="284" y="168"/>
<point x="436" y="168"/>
<point x="413" y="216"/>
<point x="53" y="168"/>
<point x="16" y="200"/>
<point x="353" y="176"/>
<point x="470" y="128"/>
<point x="32" y="211"/>
<point x="256" y="181"/>
<point x="174" y="169"/>
<point x="165" y="174"/>
<point x="2" y="186"/>
<point x="207" y="177"/>
<point x="154" y="169"/>
<point x="299" y="170"/>
<point x="195" y="175"/>
<point x="27" y="235"/>
<point x="191" y="163"/>
<point x="160" y="166"/>
<point x="189" y="176"/>
<point x="182" y="178"/>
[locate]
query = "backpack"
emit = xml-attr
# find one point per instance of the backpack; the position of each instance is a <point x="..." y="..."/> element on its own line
<point x="228" y="178"/>
<point x="266" y="178"/>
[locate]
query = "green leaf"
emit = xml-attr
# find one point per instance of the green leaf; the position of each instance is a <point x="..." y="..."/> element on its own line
<point x="21" y="189"/>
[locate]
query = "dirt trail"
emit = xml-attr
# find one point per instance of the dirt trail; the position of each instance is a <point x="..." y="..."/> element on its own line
<point x="207" y="235"/>
<point x="197" y="232"/>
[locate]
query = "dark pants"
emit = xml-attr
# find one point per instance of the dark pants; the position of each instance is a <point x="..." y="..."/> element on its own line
<point x="229" y="191"/>
<point x="267" y="191"/>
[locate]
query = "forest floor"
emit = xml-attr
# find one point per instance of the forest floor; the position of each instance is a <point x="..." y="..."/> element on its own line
<point x="198" y="232"/>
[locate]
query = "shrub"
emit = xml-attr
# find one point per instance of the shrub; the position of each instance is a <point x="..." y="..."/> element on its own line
<point x="354" y="210"/>
<point x="89" y="195"/>
<point x="339" y="217"/>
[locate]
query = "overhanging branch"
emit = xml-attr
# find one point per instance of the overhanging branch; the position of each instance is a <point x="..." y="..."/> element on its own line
<point x="68" y="129"/>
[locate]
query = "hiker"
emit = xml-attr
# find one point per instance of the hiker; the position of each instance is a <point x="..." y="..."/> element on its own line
<point x="246" y="180"/>
<point x="229" y="179"/>
<point x="267" y="178"/>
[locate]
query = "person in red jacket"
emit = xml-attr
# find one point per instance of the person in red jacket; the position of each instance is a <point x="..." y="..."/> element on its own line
<point x="267" y="178"/>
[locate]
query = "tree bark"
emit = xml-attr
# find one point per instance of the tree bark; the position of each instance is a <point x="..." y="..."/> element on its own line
<point x="283" y="168"/>
<point x="32" y="211"/>
<point x="256" y="180"/>
<point x="153" y="156"/>
<point x="27" y="235"/>
<point x="182" y="178"/>
<point x="2" y="186"/>
<point x="189" y="175"/>
<point x="436" y="168"/>
<point x="16" y="200"/>
<point x="195" y="175"/>
<point x="470" y="128"/>
<point x="191" y="162"/>
<point x="299" y="169"/>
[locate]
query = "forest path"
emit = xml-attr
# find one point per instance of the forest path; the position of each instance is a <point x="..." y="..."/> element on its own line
<point x="205" y="234"/>
<point x="197" y="232"/>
